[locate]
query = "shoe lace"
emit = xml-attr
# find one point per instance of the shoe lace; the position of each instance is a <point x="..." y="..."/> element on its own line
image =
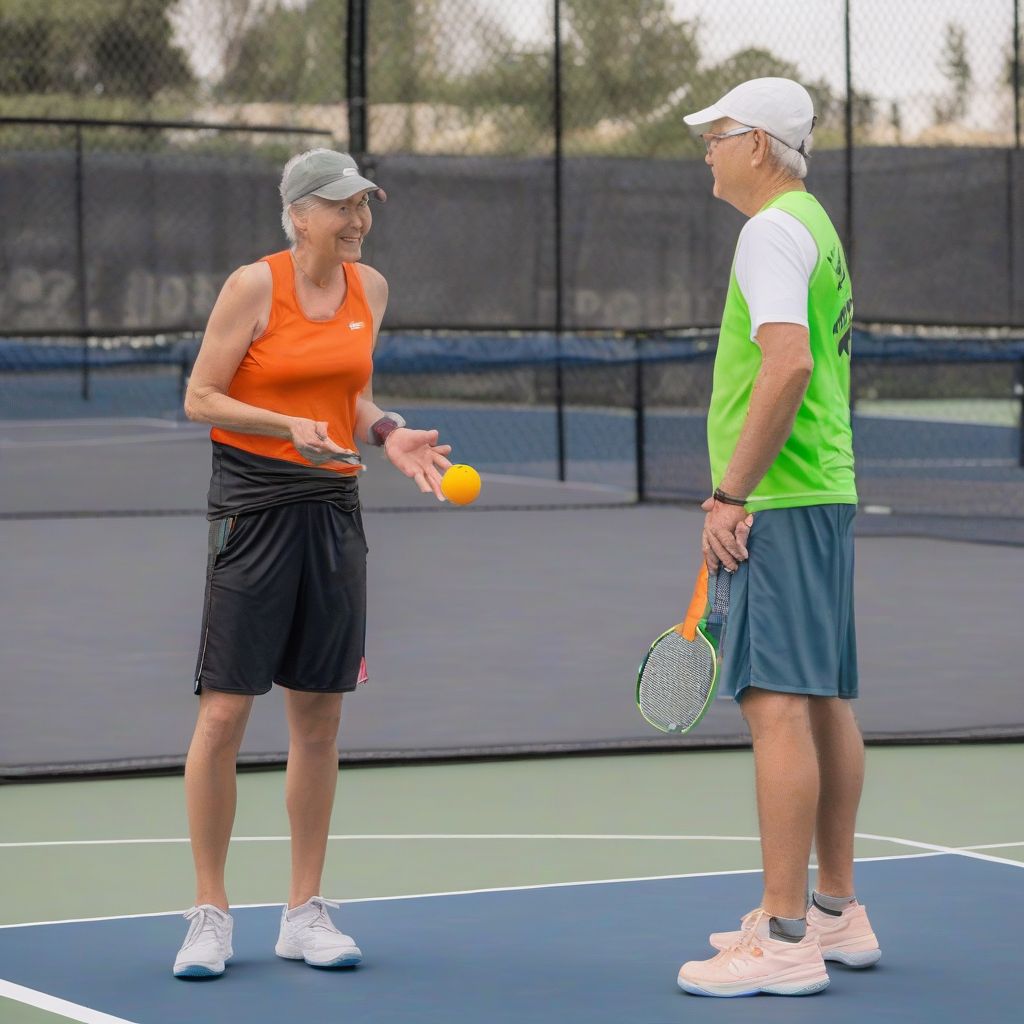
<point x="748" y="942"/>
<point x="322" y="919"/>
<point x="199" y="919"/>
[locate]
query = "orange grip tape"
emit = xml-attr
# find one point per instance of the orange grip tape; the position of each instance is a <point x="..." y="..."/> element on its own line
<point x="698" y="606"/>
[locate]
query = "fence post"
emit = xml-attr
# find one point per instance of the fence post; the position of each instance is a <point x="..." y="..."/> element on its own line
<point x="559" y="296"/>
<point x="80" y="281"/>
<point x="355" y="78"/>
<point x="1015" y="64"/>
<point x="639" y="420"/>
<point x="1018" y="389"/>
<point x="848" y="52"/>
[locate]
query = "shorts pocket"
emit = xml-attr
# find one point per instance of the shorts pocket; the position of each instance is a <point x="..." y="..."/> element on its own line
<point x="221" y="532"/>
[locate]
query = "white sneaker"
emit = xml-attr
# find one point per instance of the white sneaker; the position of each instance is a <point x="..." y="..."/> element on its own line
<point x="308" y="933"/>
<point x="207" y="945"/>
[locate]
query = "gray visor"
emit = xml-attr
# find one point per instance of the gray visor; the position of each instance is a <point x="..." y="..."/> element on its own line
<point x="327" y="174"/>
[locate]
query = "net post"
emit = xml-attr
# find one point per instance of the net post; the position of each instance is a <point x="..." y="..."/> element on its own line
<point x="639" y="419"/>
<point x="83" y="305"/>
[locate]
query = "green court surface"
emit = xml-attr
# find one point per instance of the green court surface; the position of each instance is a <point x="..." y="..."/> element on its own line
<point x="997" y="412"/>
<point x="72" y="850"/>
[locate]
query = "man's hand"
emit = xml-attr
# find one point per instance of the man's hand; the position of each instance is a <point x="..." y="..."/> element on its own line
<point x="724" y="540"/>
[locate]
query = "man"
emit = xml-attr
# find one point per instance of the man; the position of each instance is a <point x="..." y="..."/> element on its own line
<point x="781" y="519"/>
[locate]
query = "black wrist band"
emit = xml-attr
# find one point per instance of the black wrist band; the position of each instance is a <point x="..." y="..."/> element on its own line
<point x="728" y="499"/>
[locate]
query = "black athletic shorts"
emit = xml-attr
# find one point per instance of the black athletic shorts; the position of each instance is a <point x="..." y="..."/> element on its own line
<point x="285" y="599"/>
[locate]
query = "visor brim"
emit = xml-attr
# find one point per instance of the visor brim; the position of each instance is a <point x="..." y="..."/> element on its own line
<point x="705" y="116"/>
<point x="345" y="188"/>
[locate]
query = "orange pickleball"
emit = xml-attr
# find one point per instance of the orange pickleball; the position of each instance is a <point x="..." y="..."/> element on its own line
<point x="461" y="485"/>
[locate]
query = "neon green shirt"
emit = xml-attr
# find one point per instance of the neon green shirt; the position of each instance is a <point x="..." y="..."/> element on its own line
<point x="815" y="465"/>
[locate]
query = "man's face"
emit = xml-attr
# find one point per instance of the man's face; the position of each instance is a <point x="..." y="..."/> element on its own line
<point x="728" y="158"/>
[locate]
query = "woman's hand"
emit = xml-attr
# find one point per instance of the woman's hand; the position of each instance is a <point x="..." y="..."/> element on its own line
<point x="310" y="439"/>
<point x="417" y="454"/>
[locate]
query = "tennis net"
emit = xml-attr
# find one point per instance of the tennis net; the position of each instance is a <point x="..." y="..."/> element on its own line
<point x="583" y="418"/>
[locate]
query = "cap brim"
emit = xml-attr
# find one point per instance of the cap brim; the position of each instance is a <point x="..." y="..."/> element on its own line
<point x="705" y="116"/>
<point x="345" y="188"/>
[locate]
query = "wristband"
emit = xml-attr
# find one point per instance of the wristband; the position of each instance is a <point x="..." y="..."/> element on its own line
<point x="728" y="499"/>
<point x="381" y="430"/>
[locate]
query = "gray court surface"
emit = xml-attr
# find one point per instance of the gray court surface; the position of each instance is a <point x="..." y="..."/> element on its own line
<point x="158" y="467"/>
<point x="491" y="632"/>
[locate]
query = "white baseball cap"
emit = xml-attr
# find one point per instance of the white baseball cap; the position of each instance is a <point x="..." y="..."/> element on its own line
<point x="781" y="107"/>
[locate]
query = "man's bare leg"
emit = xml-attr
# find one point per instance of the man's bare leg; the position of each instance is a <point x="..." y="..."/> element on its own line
<point x="840" y="750"/>
<point x="787" y="795"/>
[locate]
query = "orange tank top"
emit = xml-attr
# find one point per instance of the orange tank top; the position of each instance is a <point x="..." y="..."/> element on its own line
<point x="309" y="368"/>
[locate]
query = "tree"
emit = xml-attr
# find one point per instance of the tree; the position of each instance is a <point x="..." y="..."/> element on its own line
<point x="622" y="58"/>
<point x="119" y="48"/>
<point x="957" y="69"/>
<point x="287" y="55"/>
<point x="621" y="61"/>
<point x="297" y="54"/>
<point x="660" y="133"/>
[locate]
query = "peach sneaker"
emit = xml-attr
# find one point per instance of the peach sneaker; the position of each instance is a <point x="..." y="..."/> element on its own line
<point x="845" y="938"/>
<point x="757" y="963"/>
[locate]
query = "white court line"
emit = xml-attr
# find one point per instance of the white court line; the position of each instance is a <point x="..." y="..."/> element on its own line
<point x="964" y="851"/>
<point x="991" y="846"/>
<point x="444" y="836"/>
<point x="527" y="836"/>
<point x="465" y="892"/>
<point x="42" y="1001"/>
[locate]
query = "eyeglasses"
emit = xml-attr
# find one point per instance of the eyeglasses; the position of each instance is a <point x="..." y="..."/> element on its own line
<point x="710" y="138"/>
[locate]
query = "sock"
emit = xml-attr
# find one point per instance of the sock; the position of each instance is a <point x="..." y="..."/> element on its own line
<point x="833" y="905"/>
<point x="788" y="929"/>
<point x="302" y="910"/>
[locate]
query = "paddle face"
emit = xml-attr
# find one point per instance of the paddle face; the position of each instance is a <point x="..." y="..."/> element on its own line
<point x="676" y="681"/>
<point x="679" y="675"/>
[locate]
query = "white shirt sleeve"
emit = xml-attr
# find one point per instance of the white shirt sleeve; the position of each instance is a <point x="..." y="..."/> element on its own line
<point x="775" y="258"/>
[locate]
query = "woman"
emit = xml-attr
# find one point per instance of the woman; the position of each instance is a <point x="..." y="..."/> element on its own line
<point x="284" y="377"/>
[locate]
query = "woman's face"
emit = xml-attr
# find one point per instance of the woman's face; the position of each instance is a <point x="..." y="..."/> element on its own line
<point x="337" y="228"/>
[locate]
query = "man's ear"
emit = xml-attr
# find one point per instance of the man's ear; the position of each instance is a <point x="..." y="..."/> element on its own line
<point x="760" y="148"/>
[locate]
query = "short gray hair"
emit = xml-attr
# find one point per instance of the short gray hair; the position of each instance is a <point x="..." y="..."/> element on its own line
<point x="789" y="160"/>
<point x="304" y="203"/>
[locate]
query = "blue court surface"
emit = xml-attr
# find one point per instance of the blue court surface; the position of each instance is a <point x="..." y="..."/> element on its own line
<point x="599" y="953"/>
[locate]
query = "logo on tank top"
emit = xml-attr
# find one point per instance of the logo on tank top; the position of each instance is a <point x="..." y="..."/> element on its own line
<point x="355" y="325"/>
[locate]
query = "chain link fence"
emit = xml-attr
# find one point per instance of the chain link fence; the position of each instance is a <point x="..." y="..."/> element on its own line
<point x="534" y="149"/>
<point x="478" y="77"/>
<point x="540" y="179"/>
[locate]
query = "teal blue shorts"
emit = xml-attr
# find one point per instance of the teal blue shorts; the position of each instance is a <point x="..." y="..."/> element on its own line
<point x="790" y="626"/>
